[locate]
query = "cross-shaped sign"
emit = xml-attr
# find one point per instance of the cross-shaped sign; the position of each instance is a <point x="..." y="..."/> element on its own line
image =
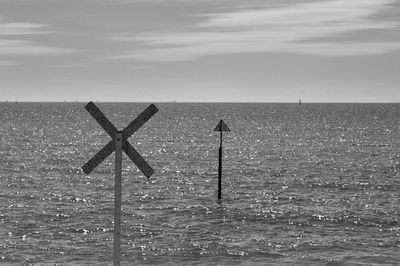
<point x="118" y="144"/>
<point x="126" y="133"/>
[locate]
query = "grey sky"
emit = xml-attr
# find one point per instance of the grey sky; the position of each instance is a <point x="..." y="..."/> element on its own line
<point x="200" y="50"/>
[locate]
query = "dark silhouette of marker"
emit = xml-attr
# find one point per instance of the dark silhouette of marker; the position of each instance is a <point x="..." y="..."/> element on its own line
<point x="118" y="144"/>
<point x="220" y="127"/>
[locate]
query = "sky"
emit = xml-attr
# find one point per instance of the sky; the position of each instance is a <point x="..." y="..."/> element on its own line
<point x="200" y="50"/>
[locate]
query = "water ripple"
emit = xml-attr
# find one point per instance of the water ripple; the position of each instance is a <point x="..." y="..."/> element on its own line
<point x="302" y="185"/>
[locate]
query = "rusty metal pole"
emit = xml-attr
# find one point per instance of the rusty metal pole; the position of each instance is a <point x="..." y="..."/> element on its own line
<point x="117" y="200"/>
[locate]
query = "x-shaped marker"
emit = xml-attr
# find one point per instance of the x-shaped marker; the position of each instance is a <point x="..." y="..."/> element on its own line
<point x="126" y="133"/>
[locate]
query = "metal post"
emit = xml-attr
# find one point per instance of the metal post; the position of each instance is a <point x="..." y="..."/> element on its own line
<point x="220" y="127"/>
<point x="220" y="168"/>
<point x="117" y="201"/>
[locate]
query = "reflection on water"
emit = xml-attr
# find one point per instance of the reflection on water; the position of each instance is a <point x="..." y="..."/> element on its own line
<point x="310" y="185"/>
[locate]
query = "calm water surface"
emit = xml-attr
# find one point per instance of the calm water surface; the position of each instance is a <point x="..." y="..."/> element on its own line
<point x="316" y="184"/>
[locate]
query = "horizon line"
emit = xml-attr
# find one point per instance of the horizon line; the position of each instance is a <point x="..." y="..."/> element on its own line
<point x="285" y="102"/>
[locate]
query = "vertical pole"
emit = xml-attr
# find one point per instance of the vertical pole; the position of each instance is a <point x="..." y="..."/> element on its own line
<point x="220" y="168"/>
<point x="117" y="200"/>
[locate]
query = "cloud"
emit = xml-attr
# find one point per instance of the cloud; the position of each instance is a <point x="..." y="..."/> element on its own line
<point x="312" y="28"/>
<point x="28" y="48"/>
<point x="331" y="11"/>
<point x="193" y="52"/>
<point x="20" y="28"/>
<point x="16" y="47"/>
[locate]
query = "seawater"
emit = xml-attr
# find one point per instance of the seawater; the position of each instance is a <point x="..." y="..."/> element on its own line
<point x="310" y="184"/>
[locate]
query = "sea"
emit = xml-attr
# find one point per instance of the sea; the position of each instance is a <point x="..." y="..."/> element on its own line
<point x="309" y="184"/>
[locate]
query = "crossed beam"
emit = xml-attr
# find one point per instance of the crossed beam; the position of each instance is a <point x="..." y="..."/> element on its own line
<point x="126" y="133"/>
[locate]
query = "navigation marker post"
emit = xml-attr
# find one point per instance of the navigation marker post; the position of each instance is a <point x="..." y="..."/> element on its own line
<point x="220" y="127"/>
<point x="119" y="143"/>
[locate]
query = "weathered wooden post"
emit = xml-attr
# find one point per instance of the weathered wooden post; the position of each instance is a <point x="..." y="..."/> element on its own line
<point x="220" y="127"/>
<point x="119" y="143"/>
<point x="117" y="197"/>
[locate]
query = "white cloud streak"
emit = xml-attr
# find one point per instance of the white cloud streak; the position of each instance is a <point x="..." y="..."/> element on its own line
<point x="16" y="47"/>
<point x="28" y="48"/>
<point x="20" y="29"/>
<point x="294" y="28"/>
